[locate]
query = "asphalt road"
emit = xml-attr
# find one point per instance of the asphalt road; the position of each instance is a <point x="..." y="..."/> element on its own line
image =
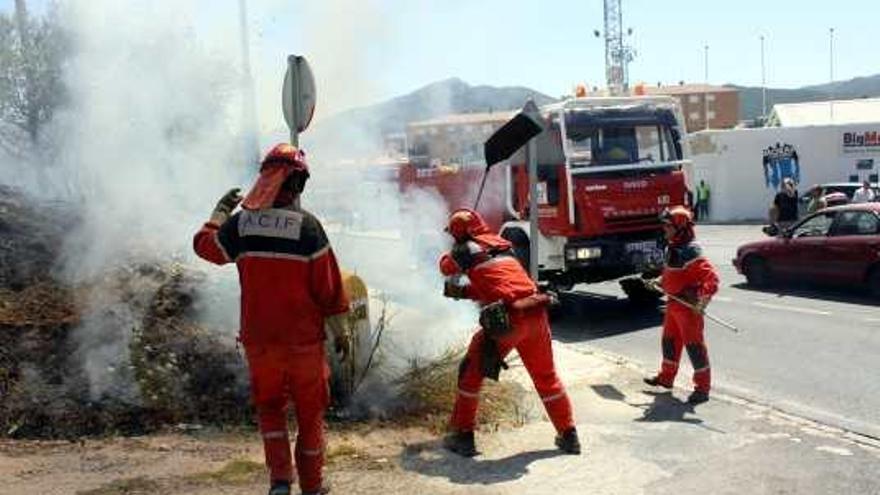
<point x="810" y="351"/>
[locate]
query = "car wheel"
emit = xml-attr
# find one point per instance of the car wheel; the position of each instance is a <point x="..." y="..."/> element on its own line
<point x="756" y="272"/>
<point x="874" y="282"/>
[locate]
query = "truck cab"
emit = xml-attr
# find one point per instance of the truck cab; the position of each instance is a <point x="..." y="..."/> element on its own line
<point x="606" y="168"/>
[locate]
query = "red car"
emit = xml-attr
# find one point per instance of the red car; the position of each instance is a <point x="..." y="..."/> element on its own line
<point x="839" y="245"/>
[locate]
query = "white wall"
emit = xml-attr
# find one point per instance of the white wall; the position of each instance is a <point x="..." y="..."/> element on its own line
<point x="731" y="162"/>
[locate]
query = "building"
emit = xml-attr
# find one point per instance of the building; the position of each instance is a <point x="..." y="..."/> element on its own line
<point x="701" y="102"/>
<point x="452" y="139"/>
<point x="862" y="111"/>
<point x="745" y="167"/>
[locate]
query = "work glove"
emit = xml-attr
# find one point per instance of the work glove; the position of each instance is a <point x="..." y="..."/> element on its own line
<point x="339" y="328"/>
<point x="224" y="207"/>
<point x="700" y="305"/>
<point x="453" y="290"/>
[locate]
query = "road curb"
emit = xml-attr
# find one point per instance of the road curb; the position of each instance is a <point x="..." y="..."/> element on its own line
<point x="727" y="395"/>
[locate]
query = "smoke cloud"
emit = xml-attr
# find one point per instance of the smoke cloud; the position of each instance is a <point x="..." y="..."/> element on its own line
<point x="149" y="141"/>
<point x="153" y="136"/>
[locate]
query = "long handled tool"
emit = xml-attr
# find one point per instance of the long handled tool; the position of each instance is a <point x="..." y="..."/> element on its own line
<point x="694" y="308"/>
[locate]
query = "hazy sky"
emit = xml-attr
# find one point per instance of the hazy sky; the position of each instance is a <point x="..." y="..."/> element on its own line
<point x="368" y="50"/>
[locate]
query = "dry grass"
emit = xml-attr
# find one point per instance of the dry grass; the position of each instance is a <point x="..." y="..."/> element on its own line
<point x="131" y="486"/>
<point x="428" y="391"/>
<point x="236" y="472"/>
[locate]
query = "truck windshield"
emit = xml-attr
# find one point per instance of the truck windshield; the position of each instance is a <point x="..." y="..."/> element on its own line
<point x="597" y="146"/>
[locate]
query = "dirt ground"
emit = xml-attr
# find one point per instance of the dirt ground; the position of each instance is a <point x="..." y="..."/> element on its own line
<point x="196" y="462"/>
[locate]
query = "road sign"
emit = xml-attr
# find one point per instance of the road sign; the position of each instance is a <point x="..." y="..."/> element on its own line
<point x="298" y="96"/>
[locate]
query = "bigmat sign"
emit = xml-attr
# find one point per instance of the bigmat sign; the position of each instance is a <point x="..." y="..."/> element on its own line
<point x="861" y="141"/>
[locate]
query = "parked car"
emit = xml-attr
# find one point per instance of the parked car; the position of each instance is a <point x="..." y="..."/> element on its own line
<point x="831" y="192"/>
<point x="839" y="245"/>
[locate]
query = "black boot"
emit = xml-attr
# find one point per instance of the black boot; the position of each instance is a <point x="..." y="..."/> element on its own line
<point x="280" y="488"/>
<point x="654" y="381"/>
<point x="568" y="442"/>
<point x="323" y="491"/>
<point x="698" y="397"/>
<point x="462" y="443"/>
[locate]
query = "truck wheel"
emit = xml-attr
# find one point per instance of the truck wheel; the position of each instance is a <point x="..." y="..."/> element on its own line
<point x="521" y="246"/>
<point x="756" y="272"/>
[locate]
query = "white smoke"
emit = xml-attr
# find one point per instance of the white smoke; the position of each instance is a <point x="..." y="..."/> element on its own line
<point x="152" y="138"/>
<point x="148" y="143"/>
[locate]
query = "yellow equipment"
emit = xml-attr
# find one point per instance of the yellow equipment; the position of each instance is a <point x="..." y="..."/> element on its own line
<point x="346" y="375"/>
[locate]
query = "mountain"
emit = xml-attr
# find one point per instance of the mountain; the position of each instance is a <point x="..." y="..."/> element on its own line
<point x="860" y="87"/>
<point x="357" y="131"/>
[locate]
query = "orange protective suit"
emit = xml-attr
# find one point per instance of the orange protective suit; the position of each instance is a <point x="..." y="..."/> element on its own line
<point x="689" y="276"/>
<point x="496" y="275"/>
<point x="290" y="282"/>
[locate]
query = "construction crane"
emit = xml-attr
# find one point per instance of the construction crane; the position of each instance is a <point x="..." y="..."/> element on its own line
<point x="618" y="54"/>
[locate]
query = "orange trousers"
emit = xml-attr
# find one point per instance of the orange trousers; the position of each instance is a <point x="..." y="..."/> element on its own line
<point x="299" y="376"/>
<point x="683" y="328"/>
<point x="530" y="336"/>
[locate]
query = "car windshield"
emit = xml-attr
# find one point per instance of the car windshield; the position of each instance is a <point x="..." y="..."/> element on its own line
<point x="596" y="146"/>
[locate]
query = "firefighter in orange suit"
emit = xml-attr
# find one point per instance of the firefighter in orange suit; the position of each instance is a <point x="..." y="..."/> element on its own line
<point x="290" y="284"/>
<point x="689" y="276"/>
<point x="513" y="316"/>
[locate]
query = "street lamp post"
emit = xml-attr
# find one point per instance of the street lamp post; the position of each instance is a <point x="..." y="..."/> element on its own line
<point x="763" y="83"/>
<point x="249" y="98"/>
<point x="831" y="71"/>
<point x="706" y="81"/>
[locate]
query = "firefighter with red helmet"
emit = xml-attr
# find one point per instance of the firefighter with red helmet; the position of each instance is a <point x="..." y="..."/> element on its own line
<point x="290" y="285"/>
<point x="513" y="316"/>
<point x="689" y="276"/>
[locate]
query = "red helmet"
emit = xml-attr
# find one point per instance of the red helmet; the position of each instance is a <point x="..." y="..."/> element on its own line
<point x="282" y="162"/>
<point x="678" y="216"/>
<point x="464" y="223"/>
<point x="682" y="220"/>
<point x="286" y="156"/>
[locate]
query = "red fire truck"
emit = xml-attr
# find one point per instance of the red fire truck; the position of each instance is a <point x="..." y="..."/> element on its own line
<point x="606" y="168"/>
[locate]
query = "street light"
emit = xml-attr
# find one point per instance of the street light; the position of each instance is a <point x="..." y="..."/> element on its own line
<point x="831" y="71"/>
<point x="763" y="83"/>
<point x="706" y="81"/>
<point x="249" y="100"/>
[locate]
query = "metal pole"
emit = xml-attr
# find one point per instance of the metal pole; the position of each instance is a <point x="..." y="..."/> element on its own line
<point x="293" y="70"/>
<point x="706" y="89"/>
<point x="249" y="101"/>
<point x="763" y="83"/>
<point x="533" y="209"/>
<point x="831" y="70"/>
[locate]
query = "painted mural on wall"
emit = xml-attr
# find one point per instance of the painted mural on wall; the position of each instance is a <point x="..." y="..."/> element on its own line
<point x="780" y="161"/>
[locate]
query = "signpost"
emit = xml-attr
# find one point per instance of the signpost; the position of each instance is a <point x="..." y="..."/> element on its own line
<point x="298" y="96"/>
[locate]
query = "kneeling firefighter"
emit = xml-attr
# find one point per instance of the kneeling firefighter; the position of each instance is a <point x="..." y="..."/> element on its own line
<point x="513" y="316"/>
<point x="290" y="284"/>
<point x="689" y="276"/>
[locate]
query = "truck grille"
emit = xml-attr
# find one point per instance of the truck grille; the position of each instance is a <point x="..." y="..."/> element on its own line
<point x="633" y="221"/>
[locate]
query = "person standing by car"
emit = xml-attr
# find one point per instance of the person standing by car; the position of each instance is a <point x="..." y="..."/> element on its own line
<point x="864" y="194"/>
<point x="817" y="202"/>
<point x="784" y="210"/>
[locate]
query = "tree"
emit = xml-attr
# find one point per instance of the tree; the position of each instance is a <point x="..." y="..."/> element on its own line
<point x="32" y="51"/>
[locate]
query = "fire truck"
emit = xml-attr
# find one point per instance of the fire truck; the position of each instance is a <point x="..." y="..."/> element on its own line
<point x="606" y="168"/>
